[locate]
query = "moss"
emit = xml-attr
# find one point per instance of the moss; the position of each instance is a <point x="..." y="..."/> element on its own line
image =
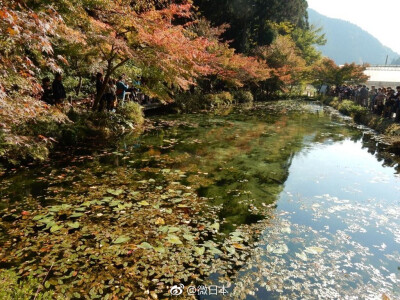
<point x="13" y="287"/>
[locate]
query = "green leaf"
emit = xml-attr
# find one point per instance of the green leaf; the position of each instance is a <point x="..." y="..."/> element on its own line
<point x="173" y="239"/>
<point x="200" y="250"/>
<point x="76" y="215"/>
<point x="55" y="228"/>
<point x="214" y="251"/>
<point x="145" y="245"/>
<point x="215" y="226"/>
<point x="160" y="249"/>
<point x="114" y="203"/>
<point x="144" y="203"/>
<point x="173" y="229"/>
<point x="74" y="225"/>
<point x="46" y="220"/>
<point x="107" y="199"/>
<point x="80" y="209"/>
<point x="188" y="237"/>
<point x="38" y="217"/>
<point x="121" y="239"/>
<point x="115" y="192"/>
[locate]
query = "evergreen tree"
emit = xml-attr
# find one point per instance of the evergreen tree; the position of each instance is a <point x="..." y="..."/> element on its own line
<point x="250" y="20"/>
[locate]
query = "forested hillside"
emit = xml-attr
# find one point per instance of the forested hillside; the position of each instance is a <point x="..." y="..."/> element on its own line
<point x="356" y="45"/>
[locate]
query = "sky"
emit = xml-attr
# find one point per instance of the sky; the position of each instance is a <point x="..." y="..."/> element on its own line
<point x="380" y="18"/>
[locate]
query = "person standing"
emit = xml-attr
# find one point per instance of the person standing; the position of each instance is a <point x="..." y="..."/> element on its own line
<point x="380" y="101"/>
<point x="363" y="96"/>
<point x="110" y="94"/>
<point x="59" y="93"/>
<point x="122" y="88"/>
<point x="99" y="84"/>
<point x="47" y="95"/>
<point x="397" y="105"/>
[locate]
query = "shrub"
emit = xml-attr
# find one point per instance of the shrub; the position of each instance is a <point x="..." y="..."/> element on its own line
<point x="349" y="108"/>
<point x="243" y="96"/>
<point x="224" y="98"/>
<point x="132" y="112"/>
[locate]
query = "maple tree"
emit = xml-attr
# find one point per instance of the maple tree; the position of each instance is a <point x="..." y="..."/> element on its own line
<point x="327" y="72"/>
<point x="26" y="48"/>
<point x="288" y="68"/>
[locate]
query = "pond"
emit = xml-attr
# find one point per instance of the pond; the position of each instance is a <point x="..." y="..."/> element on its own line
<point x="278" y="201"/>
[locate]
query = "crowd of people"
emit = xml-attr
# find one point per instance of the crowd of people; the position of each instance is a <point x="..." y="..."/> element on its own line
<point x="114" y="93"/>
<point x="382" y="101"/>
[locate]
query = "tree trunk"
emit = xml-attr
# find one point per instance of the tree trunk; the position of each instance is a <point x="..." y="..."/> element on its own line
<point x="109" y="72"/>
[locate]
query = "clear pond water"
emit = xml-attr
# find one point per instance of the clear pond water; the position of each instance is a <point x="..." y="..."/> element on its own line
<point x="304" y="205"/>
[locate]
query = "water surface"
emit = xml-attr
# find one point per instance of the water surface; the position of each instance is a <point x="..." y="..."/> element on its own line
<point x="281" y="200"/>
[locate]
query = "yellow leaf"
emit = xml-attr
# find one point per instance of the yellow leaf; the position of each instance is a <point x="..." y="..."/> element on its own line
<point x="239" y="246"/>
<point x="160" y="221"/>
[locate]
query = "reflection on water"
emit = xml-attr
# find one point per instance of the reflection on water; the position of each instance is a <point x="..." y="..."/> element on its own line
<point x="335" y="232"/>
<point x="318" y="199"/>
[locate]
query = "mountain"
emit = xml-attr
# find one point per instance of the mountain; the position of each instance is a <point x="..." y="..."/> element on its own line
<point x="349" y="43"/>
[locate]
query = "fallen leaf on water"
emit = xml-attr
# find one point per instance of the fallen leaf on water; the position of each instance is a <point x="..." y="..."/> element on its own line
<point x="173" y="239"/>
<point x="302" y="256"/>
<point x="160" y="221"/>
<point x="239" y="246"/>
<point x="314" y="250"/>
<point x="121" y="239"/>
<point x="55" y="228"/>
<point x="74" y="225"/>
<point x="278" y="249"/>
<point x="145" y="245"/>
<point x="215" y="226"/>
<point x="200" y="250"/>
<point x="115" y="192"/>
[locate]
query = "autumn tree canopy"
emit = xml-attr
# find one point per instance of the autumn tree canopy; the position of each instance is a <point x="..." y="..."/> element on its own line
<point x="327" y="72"/>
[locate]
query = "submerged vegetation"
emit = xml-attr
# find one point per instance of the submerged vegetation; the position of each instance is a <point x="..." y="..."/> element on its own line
<point x="186" y="200"/>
